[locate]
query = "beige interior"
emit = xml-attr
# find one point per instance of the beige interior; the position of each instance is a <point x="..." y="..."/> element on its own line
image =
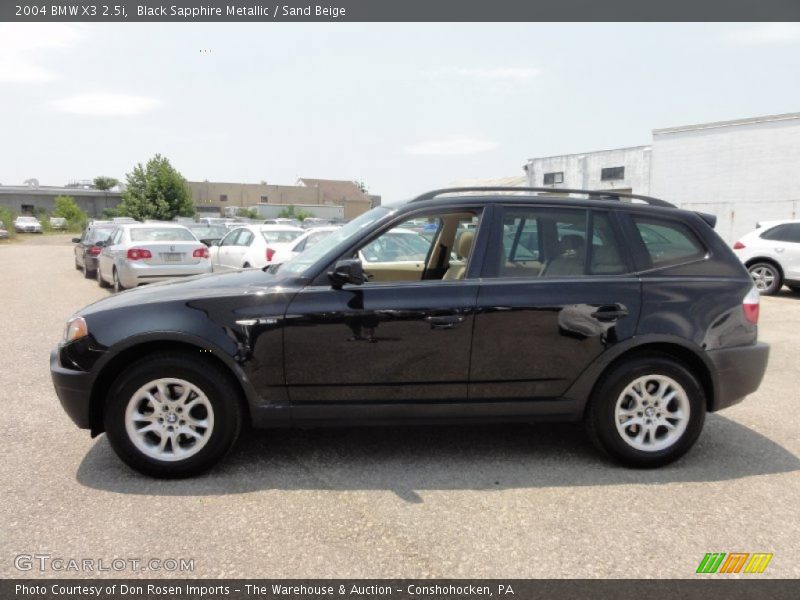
<point x="443" y="243"/>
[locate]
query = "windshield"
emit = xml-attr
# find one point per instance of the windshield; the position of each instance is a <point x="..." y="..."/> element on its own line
<point x="162" y="234"/>
<point x="305" y="259"/>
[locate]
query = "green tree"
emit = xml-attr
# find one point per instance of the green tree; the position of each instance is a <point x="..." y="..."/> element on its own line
<point x="156" y="191"/>
<point x="7" y="216"/>
<point x="291" y="213"/>
<point x="247" y="213"/>
<point x="66" y="207"/>
<point x="105" y="183"/>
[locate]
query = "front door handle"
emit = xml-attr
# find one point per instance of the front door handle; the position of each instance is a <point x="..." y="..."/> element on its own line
<point x="610" y="312"/>
<point x="444" y="321"/>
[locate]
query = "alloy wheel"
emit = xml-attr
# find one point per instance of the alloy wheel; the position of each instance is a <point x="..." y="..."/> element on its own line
<point x="763" y="277"/>
<point x="169" y="419"/>
<point x="652" y="413"/>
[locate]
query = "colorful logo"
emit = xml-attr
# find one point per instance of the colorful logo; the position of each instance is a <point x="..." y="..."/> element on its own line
<point x="735" y="562"/>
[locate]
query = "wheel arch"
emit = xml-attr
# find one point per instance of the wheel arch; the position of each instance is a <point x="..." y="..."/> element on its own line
<point x="117" y="364"/>
<point x="680" y="352"/>
<point x="765" y="259"/>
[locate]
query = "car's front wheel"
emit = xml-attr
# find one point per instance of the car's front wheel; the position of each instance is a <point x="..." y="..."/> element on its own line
<point x="172" y="416"/>
<point x="647" y="412"/>
<point x="766" y="277"/>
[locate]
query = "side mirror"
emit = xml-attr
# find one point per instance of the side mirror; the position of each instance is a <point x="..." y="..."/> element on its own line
<point x="347" y="271"/>
<point x="76" y="240"/>
<point x="100" y="243"/>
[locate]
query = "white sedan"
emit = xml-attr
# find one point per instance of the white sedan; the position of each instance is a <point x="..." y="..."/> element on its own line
<point x="252" y="246"/>
<point x="304" y="242"/>
<point x="771" y="254"/>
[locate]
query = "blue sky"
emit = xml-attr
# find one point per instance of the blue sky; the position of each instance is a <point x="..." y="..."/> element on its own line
<point x="404" y="107"/>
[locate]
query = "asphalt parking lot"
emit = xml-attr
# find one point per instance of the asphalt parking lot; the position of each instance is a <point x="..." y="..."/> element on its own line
<point x="500" y="501"/>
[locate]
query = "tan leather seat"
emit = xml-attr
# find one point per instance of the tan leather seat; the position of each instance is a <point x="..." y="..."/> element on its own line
<point x="459" y="271"/>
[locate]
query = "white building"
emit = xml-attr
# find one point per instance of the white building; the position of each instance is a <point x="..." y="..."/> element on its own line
<point x="743" y="171"/>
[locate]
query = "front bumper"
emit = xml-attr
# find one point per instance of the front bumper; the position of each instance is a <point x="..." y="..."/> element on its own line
<point x="737" y="372"/>
<point x="74" y="390"/>
<point x="135" y="273"/>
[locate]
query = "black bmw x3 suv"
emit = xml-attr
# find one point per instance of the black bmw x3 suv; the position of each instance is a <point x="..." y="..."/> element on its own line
<point x="462" y="305"/>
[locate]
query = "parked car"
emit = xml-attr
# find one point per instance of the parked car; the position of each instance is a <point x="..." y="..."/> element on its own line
<point x="124" y="220"/>
<point x="304" y="242"/>
<point x="208" y="234"/>
<point x="25" y="224"/>
<point x="599" y="321"/>
<point x="58" y="223"/>
<point x="3" y="232"/>
<point x="315" y="223"/>
<point x="137" y="254"/>
<point x="87" y="249"/>
<point x="282" y="221"/>
<point x="252" y="246"/>
<point x="771" y="254"/>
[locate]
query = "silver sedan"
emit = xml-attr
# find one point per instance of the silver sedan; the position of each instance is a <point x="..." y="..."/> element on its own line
<point x="146" y="253"/>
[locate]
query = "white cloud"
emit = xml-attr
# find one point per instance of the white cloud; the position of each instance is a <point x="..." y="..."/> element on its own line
<point x="515" y="74"/>
<point x="105" y="104"/>
<point x="451" y="146"/>
<point x="764" y="33"/>
<point x="21" y="43"/>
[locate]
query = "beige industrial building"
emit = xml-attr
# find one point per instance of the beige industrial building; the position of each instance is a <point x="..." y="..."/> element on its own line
<point x="214" y="197"/>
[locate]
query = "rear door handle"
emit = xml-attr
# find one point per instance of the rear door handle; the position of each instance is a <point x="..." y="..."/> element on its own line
<point x="444" y="321"/>
<point x="610" y="312"/>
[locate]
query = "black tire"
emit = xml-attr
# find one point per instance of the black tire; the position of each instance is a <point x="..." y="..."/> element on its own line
<point x="116" y="284"/>
<point x="246" y="265"/>
<point x="100" y="281"/>
<point x="601" y="413"/>
<point x="761" y="270"/>
<point x="207" y="376"/>
<point x="87" y="273"/>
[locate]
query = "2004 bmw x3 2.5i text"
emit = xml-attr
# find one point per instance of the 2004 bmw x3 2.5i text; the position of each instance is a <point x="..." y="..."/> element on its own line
<point x="622" y="311"/>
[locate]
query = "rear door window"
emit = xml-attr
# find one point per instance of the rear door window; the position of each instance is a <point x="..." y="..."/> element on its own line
<point x="548" y="242"/>
<point x="788" y="232"/>
<point x="668" y="242"/>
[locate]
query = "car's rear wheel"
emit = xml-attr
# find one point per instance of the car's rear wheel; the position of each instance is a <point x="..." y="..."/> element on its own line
<point x="117" y="285"/>
<point x="172" y="416"/>
<point x="766" y="277"/>
<point x="647" y="412"/>
<point x="100" y="281"/>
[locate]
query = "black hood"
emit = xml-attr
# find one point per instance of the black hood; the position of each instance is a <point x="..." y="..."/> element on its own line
<point x="213" y="285"/>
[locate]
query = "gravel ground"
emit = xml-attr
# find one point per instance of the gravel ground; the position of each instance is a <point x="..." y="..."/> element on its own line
<point x="501" y="501"/>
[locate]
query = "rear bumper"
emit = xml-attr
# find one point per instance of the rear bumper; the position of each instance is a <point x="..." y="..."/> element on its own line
<point x="131" y="275"/>
<point x="737" y="372"/>
<point x="74" y="390"/>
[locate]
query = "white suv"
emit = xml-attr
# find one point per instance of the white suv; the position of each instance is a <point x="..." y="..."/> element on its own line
<point x="771" y="254"/>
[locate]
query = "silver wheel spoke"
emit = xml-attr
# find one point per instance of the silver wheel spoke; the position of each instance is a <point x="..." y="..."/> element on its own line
<point x="651" y="421"/>
<point x="169" y="419"/>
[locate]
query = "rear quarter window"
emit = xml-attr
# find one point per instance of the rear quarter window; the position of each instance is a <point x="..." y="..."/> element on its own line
<point x="668" y="242"/>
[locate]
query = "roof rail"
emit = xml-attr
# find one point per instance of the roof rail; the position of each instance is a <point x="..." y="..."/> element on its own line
<point x="602" y="195"/>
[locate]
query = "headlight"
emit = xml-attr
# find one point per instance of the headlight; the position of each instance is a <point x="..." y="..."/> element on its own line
<point x="76" y="329"/>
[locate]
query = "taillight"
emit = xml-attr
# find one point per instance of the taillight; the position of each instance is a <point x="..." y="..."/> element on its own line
<point x="201" y="253"/>
<point x="750" y="306"/>
<point x="738" y="246"/>
<point x="139" y="253"/>
<point x="270" y="254"/>
<point x="93" y="251"/>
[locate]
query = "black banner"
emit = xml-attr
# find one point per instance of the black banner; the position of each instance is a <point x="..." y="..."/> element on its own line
<point x="714" y="588"/>
<point x="400" y="10"/>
